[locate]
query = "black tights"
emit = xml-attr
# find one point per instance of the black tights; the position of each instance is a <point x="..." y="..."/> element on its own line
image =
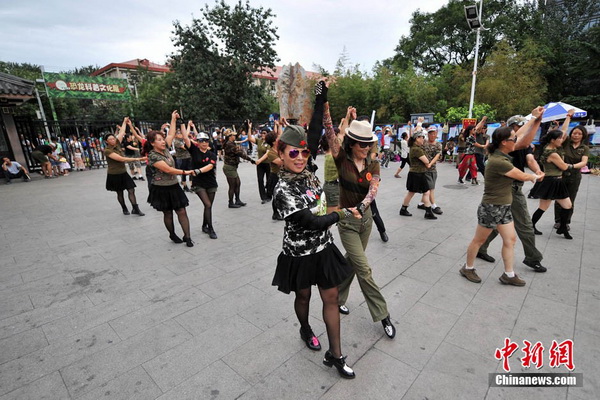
<point x="183" y="221"/>
<point x="207" y="199"/>
<point x="331" y="315"/>
<point x="234" y="188"/>
<point x="130" y="194"/>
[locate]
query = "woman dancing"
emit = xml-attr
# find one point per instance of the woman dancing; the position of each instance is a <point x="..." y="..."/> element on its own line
<point x="359" y="181"/>
<point x="165" y="193"/>
<point x="553" y="187"/>
<point x="417" y="181"/>
<point x="204" y="184"/>
<point x="495" y="208"/>
<point x="117" y="178"/>
<point x="230" y="166"/>
<point x="309" y="256"/>
<point x="576" y="152"/>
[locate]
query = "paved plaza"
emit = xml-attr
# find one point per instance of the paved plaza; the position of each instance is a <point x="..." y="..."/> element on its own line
<point x="98" y="305"/>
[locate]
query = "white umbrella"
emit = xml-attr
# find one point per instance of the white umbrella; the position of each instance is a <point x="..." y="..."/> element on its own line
<point x="556" y="111"/>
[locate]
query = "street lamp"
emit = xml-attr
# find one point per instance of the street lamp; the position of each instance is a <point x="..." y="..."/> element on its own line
<point x="37" y="94"/>
<point x="474" y="20"/>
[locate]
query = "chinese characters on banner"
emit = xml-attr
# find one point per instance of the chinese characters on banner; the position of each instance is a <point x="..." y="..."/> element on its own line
<point x="558" y="354"/>
<point x="86" y="87"/>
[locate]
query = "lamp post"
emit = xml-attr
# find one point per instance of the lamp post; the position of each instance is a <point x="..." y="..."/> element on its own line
<point x="37" y="95"/>
<point x="474" y="20"/>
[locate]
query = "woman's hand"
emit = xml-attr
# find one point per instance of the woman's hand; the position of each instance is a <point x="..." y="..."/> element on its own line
<point x="537" y="112"/>
<point x="570" y="113"/>
<point x="175" y="115"/>
<point x="355" y="212"/>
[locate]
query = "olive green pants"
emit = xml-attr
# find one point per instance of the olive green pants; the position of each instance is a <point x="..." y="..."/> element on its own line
<point x="354" y="234"/>
<point x="572" y="181"/>
<point x="523" y="226"/>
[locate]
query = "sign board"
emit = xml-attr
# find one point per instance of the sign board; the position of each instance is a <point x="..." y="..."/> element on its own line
<point x="86" y="87"/>
<point x="469" y="121"/>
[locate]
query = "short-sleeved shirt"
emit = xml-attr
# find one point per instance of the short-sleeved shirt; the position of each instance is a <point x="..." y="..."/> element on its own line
<point x="387" y="141"/>
<point x="292" y="195"/>
<point x="354" y="184"/>
<point x="208" y="179"/>
<point x="124" y="144"/>
<point x="161" y="178"/>
<point x="498" y="186"/>
<point x="404" y="150"/>
<point x="272" y="156"/>
<point x="574" y="155"/>
<point x="432" y="150"/>
<point x="417" y="165"/>
<point x="261" y="147"/>
<point x="519" y="158"/>
<point x="114" y="167"/>
<point x="550" y="169"/>
<point x="481" y="138"/>
<point x="14" y="167"/>
<point x="180" y="151"/>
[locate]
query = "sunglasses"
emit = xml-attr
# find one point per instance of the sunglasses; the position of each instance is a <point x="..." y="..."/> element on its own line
<point x="513" y="139"/>
<point x="202" y="141"/>
<point x="364" y="145"/>
<point x="295" y="153"/>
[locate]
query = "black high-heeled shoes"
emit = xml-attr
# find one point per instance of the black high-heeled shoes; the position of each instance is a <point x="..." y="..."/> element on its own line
<point x="340" y="364"/>
<point x="188" y="241"/>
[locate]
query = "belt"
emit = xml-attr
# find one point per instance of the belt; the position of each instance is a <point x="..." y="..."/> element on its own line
<point x="333" y="182"/>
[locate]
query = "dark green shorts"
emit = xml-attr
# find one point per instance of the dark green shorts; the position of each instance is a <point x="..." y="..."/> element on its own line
<point x="230" y="171"/>
<point x="39" y="157"/>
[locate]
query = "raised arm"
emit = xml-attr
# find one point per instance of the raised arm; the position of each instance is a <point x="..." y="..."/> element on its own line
<point x="136" y="132"/>
<point x="332" y="138"/>
<point x="526" y="133"/>
<point x="122" y="129"/>
<point x="172" y="128"/>
<point x="481" y="123"/>
<point x="251" y="137"/>
<point x="186" y="135"/>
<point x="565" y="126"/>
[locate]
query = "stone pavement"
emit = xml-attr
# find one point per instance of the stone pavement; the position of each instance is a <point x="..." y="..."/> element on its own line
<point x="94" y="304"/>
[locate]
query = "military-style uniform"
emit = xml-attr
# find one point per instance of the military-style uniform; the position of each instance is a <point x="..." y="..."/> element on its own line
<point x="571" y="178"/>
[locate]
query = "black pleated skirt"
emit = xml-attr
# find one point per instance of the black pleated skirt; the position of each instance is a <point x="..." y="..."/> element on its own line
<point x="417" y="182"/>
<point x="119" y="182"/>
<point x="326" y="269"/>
<point x="551" y="188"/>
<point x="166" y="198"/>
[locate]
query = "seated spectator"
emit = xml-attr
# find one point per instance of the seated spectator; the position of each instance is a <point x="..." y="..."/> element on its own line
<point x="13" y="169"/>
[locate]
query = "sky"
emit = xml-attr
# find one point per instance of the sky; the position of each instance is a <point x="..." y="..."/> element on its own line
<point x="65" y="34"/>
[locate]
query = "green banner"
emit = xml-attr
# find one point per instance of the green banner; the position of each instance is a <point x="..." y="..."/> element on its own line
<point x="86" y="87"/>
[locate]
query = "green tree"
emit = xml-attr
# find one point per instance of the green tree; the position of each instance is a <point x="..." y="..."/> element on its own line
<point x="216" y="56"/>
<point x="570" y="49"/>
<point x="512" y="81"/>
<point x="443" y="37"/>
<point x="456" y="114"/>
